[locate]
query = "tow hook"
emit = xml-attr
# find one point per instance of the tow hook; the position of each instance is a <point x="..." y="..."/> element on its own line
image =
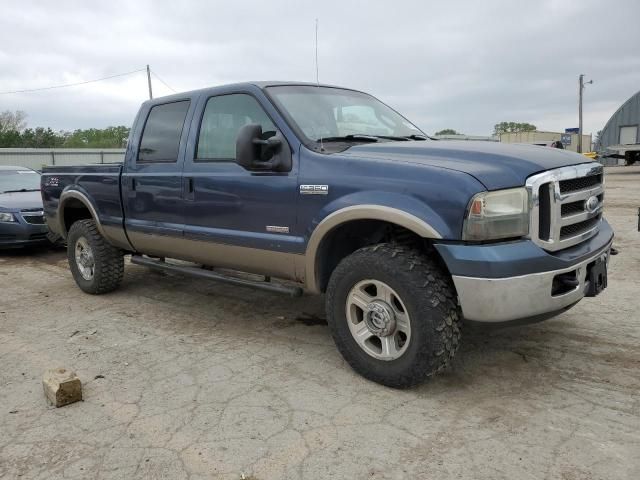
<point x="564" y="283"/>
<point x="569" y="279"/>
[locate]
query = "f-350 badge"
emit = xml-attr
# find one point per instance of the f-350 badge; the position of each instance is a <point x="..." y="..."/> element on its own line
<point x="314" y="189"/>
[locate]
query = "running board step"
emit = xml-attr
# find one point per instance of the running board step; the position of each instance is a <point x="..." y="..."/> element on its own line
<point x="208" y="274"/>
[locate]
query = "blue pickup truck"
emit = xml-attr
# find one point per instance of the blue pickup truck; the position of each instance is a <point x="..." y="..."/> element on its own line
<point x="327" y="190"/>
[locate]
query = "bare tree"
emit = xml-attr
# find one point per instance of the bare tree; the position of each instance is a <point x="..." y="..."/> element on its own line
<point x="12" y="121"/>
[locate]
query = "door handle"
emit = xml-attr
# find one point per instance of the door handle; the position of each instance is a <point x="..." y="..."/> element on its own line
<point x="133" y="184"/>
<point x="189" y="188"/>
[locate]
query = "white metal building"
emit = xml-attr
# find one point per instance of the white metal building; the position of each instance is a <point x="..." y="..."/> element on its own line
<point x="546" y="138"/>
<point x="621" y="135"/>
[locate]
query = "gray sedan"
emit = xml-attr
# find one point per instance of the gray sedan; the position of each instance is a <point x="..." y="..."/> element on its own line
<point x="21" y="217"/>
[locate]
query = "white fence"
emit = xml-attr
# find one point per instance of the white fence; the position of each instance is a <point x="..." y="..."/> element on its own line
<point x="36" y="158"/>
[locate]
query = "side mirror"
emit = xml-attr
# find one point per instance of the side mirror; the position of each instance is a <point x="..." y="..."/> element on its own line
<point x="254" y="152"/>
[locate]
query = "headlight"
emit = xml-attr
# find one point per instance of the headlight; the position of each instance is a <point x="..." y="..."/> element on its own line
<point x="7" y="217"/>
<point x="499" y="214"/>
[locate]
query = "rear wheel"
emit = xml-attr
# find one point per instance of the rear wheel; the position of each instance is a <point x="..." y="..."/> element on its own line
<point x="393" y="314"/>
<point x="96" y="266"/>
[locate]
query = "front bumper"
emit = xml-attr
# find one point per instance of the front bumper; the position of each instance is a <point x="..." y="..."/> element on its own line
<point x="21" y="233"/>
<point x="492" y="297"/>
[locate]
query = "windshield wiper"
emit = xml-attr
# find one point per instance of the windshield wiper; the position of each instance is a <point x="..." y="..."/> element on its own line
<point x="361" y="137"/>
<point x="392" y="137"/>
<point x="349" y="138"/>
<point x="416" y="137"/>
<point x="22" y="190"/>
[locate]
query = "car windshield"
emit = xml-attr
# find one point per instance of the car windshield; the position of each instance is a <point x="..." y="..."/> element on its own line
<point x="335" y="114"/>
<point x="19" y="181"/>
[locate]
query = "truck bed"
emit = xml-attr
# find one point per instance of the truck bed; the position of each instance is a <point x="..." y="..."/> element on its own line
<point x="102" y="181"/>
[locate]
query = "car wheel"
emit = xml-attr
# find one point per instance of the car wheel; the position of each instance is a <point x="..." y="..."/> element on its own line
<point x="96" y="266"/>
<point x="393" y="314"/>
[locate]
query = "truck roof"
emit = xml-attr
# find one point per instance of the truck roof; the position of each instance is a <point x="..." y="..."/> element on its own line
<point x="231" y="86"/>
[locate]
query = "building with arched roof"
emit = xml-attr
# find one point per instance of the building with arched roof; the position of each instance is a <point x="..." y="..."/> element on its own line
<point x="620" y="137"/>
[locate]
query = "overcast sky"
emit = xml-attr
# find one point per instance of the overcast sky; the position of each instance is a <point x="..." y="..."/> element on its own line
<point x="446" y="64"/>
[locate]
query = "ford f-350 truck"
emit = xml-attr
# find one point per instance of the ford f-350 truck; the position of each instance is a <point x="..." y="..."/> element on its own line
<point x="333" y="192"/>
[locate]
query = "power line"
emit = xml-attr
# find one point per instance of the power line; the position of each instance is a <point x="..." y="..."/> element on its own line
<point x="75" y="84"/>
<point x="163" y="82"/>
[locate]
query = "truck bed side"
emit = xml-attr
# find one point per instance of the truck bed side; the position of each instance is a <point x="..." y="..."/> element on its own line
<point x="87" y="191"/>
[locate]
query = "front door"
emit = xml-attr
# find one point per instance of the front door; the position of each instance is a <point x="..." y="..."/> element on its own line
<point x="235" y="217"/>
<point x="152" y="181"/>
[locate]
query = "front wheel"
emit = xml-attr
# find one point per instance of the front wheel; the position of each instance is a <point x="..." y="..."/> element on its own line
<point x="393" y="314"/>
<point x="96" y="266"/>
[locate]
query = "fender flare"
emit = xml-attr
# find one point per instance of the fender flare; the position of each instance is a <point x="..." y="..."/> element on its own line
<point x="77" y="195"/>
<point x="358" y="212"/>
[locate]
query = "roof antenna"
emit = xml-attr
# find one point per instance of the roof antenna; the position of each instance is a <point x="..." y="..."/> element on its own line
<point x="318" y="78"/>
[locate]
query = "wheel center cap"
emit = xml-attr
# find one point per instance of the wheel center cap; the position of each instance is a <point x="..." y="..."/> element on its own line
<point x="380" y="319"/>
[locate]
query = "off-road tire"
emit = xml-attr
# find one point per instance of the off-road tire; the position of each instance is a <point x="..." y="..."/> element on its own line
<point x="108" y="260"/>
<point x="430" y="299"/>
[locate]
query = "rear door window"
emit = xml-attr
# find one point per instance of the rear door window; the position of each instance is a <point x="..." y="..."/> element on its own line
<point x="161" y="136"/>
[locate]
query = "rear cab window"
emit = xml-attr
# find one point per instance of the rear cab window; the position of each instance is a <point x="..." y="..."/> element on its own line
<point x="160" y="140"/>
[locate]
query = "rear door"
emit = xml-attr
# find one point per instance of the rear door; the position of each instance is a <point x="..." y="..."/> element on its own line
<point x="152" y="180"/>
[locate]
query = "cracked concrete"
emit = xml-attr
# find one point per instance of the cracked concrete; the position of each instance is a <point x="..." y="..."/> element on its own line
<point x="202" y="380"/>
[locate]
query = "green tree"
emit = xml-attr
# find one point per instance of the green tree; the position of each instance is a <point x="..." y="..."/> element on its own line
<point x="110" y="137"/>
<point x="40" y="137"/>
<point x="513" y="127"/>
<point x="10" y="139"/>
<point x="448" y="131"/>
<point x="14" y="134"/>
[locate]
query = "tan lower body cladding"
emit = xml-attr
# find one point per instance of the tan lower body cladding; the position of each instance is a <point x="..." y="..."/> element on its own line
<point x="288" y="266"/>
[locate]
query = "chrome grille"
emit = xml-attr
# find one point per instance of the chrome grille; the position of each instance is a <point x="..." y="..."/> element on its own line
<point x="582" y="183"/>
<point x="571" y="208"/>
<point x="569" y="231"/>
<point x="559" y="214"/>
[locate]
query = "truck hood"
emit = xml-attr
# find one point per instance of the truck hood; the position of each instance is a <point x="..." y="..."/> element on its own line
<point x="496" y="165"/>
<point x="16" y="201"/>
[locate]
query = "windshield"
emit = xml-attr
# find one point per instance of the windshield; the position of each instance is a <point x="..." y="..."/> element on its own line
<point x="19" y="180"/>
<point x="335" y="113"/>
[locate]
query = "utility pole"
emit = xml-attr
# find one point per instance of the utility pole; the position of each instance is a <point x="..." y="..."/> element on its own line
<point x="581" y="84"/>
<point x="151" y="91"/>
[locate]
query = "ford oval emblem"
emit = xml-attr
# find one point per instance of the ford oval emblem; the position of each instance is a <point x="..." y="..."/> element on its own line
<point x="591" y="204"/>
